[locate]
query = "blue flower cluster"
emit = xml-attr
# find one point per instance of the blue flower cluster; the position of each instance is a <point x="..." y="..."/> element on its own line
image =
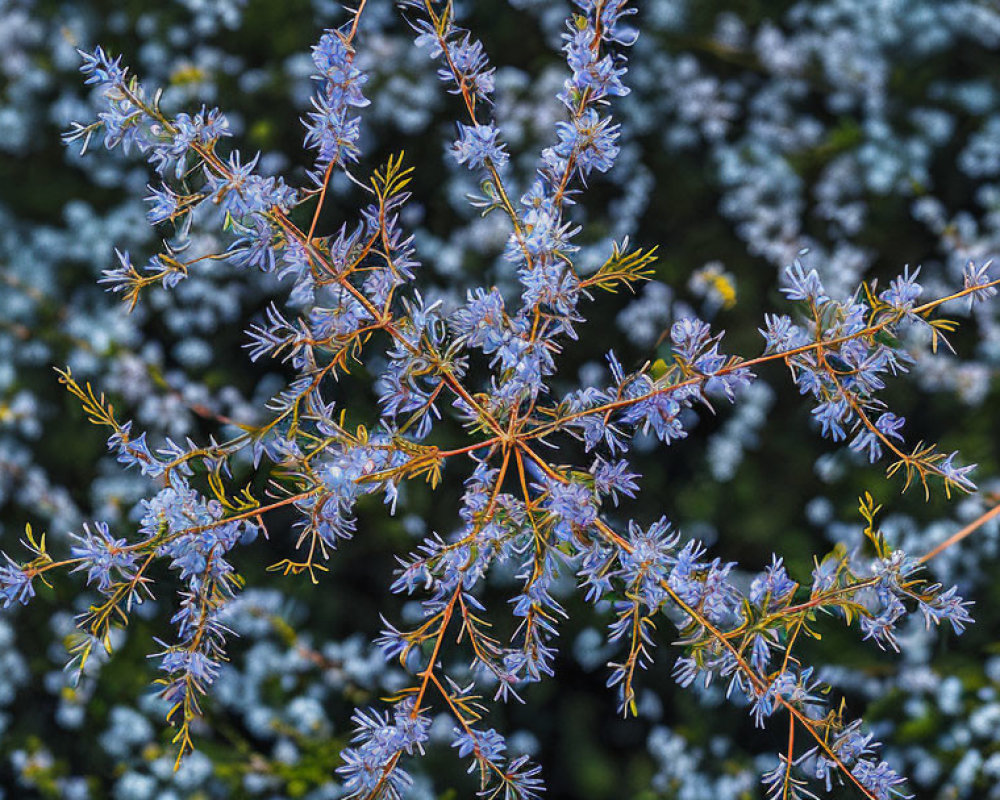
<point x="858" y="349"/>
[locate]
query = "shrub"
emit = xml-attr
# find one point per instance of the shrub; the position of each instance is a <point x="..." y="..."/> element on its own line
<point x="398" y="382"/>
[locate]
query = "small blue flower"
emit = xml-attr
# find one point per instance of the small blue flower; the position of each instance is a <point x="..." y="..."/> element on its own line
<point x="15" y="584"/>
<point x="977" y="279"/>
<point x="164" y="204"/>
<point x="590" y="140"/>
<point x="572" y="504"/>
<point x="773" y="584"/>
<point x="803" y="285"/>
<point x="477" y="145"/>
<point x="102" y="556"/>
<point x="958" y="476"/>
<point x="903" y="291"/>
<point x="486" y="745"/>
<point x="613" y="478"/>
<point x="100" y="69"/>
<point x="879" y="779"/>
<point x="947" y="606"/>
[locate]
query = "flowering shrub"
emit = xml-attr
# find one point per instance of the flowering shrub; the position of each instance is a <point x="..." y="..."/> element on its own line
<point x="395" y="385"/>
